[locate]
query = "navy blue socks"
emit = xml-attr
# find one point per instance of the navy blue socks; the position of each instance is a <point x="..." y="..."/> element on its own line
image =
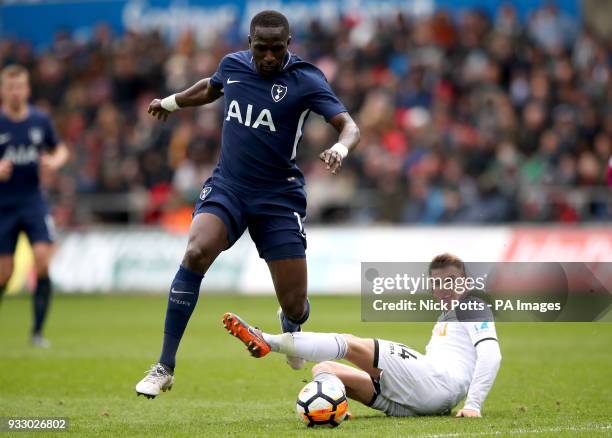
<point x="182" y="300"/>
<point x="292" y="326"/>
<point x="40" y="303"/>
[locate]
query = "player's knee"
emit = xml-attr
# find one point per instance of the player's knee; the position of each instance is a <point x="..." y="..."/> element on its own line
<point x="323" y="367"/>
<point x="294" y="309"/>
<point x="42" y="259"/>
<point x="199" y="256"/>
<point x="42" y="268"/>
<point x="350" y="339"/>
<point x="354" y="344"/>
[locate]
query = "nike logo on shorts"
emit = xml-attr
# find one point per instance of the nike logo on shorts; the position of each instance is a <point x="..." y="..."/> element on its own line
<point x="231" y="82"/>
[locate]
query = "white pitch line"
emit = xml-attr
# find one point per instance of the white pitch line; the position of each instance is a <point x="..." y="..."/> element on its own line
<point x="522" y="431"/>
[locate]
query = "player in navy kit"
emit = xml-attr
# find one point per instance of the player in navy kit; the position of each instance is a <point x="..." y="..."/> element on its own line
<point x="27" y="142"/>
<point x="268" y="93"/>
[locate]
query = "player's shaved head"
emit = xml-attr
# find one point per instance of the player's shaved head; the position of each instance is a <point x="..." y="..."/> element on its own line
<point x="269" y="41"/>
<point x="270" y="19"/>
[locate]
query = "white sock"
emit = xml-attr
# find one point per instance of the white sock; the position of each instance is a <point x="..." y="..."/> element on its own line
<point x="314" y="347"/>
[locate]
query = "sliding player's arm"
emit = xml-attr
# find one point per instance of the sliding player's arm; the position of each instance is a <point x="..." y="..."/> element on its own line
<point x="201" y="93"/>
<point x="487" y="365"/>
<point x="348" y="139"/>
<point x="479" y="326"/>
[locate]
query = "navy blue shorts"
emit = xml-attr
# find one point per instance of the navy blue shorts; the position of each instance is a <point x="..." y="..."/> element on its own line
<point x="274" y="220"/>
<point x="31" y="216"/>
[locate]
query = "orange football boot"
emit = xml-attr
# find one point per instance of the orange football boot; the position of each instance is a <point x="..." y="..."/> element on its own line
<point x="250" y="336"/>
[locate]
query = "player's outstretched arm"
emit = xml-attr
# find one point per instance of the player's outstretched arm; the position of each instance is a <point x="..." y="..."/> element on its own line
<point x="487" y="365"/>
<point x="200" y="93"/>
<point x="347" y="141"/>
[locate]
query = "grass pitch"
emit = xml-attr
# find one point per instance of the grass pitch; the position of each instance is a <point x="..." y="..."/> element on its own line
<point x="555" y="379"/>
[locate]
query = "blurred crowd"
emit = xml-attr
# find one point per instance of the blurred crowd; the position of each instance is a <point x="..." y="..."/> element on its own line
<point x="464" y="119"/>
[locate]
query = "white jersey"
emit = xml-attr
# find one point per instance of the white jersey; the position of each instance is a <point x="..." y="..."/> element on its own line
<point x="453" y="347"/>
<point x="462" y="358"/>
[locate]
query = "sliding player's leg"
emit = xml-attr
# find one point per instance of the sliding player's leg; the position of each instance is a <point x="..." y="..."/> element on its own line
<point x="324" y="347"/>
<point x="357" y="383"/>
<point x="314" y="347"/>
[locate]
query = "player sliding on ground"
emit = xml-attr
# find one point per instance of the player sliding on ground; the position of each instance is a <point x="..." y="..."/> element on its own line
<point x="269" y="93"/>
<point x="462" y="358"/>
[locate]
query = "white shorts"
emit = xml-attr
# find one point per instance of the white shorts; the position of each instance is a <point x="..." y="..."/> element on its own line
<point x="411" y="380"/>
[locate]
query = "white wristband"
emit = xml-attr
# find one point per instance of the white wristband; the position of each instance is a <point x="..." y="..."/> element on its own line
<point x="169" y="103"/>
<point x="341" y="149"/>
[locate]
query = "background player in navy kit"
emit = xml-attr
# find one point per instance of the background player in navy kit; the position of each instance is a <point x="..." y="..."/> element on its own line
<point x="269" y="93"/>
<point x="27" y="142"/>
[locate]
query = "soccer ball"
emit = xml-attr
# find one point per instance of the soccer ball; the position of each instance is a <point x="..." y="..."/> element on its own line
<point x="322" y="404"/>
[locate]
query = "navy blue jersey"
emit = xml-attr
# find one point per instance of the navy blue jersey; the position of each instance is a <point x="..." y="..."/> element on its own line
<point x="264" y="118"/>
<point x="21" y="143"/>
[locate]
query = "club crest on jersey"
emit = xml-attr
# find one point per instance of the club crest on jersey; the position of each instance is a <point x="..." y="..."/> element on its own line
<point x="36" y="135"/>
<point x="278" y="92"/>
<point x="205" y="192"/>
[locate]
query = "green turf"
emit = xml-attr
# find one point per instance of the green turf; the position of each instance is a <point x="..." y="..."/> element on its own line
<point x="555" y="379"/>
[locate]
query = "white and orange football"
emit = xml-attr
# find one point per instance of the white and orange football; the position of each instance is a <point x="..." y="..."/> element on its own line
<point x="322" y="404"/>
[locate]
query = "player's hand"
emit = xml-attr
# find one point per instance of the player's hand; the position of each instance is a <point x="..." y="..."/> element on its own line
<point x="6" y="170"/>
<point x="468" y="413"/>
<point x="156" y="110"/>
<point x="48" y="163"/>
<point x="332" y="160"/>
